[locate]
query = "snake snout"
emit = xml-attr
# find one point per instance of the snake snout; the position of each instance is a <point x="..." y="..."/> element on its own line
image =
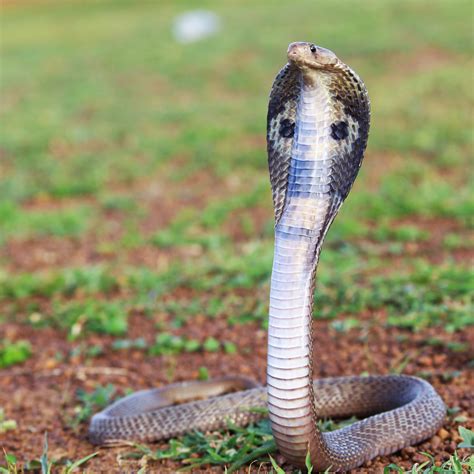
<point x="297" y="51"/>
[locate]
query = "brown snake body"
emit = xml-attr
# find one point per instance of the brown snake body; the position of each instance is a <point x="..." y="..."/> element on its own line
<point x="318" y="123"/>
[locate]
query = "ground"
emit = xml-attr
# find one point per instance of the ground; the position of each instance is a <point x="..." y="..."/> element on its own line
<point x="136" y="219"/>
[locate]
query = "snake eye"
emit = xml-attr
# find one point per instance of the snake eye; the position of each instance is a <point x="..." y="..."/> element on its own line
<point x="312" y="48"/>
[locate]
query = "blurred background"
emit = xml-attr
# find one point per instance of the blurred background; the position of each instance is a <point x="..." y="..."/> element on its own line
<point x="136" y="224"/>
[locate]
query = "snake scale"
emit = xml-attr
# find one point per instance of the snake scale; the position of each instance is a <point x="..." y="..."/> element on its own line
<point x="317" y="130"/>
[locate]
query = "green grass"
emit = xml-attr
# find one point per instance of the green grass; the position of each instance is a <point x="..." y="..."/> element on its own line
<point x="107" y="122"/>
<point x="254" y="445"/>
<point x="19" y="223"/>
<point x="88" y="281"/>
<point x="91" y="402"/>
<point x="44" y="464"/>
<point x="425" y="296"/>
<point x="12" y="353"/>
<point x="101" y="104"/>
<point x="167" y="344"/>
<point x="233" y="448"/>
<point x="454" y="464"/>
<point x="202" y="226"/>
<point x="103" y="317"/>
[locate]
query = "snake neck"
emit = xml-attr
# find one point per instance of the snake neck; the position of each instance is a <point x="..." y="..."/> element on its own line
<point x="307" y="214"/>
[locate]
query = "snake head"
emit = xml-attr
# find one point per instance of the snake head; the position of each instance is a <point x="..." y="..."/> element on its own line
<point x="309" y="56"/>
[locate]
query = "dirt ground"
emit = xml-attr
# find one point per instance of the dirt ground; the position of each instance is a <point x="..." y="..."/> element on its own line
<point x="40" y="395"/>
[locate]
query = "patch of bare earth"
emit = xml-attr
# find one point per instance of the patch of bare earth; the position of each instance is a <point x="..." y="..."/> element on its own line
<point x="157" y="198"/>
<point x="40" y="394"/>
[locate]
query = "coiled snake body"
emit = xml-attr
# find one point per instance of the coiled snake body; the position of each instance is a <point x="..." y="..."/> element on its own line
<point x="318" y="123"/>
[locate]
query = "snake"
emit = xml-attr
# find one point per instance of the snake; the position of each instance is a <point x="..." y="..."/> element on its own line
<point x="317" y="131"/>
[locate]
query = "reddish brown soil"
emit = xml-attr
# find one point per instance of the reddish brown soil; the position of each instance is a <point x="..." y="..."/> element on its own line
<point x="40" y="394"/>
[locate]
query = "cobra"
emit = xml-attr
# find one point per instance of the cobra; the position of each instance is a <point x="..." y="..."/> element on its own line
<point x="317" y="130"/>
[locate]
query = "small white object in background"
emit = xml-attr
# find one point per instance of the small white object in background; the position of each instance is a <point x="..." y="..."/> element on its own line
<point x="195" y="25"/>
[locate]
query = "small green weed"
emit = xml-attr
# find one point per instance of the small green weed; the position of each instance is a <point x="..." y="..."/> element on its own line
<point x="203" y="373"/>
<point x="456" y="241"/>
<point x="211" y="345"/>
<point x="44" y="464"/>
<point x="91" y="402"/>
<point x="277" y="468"/>
<point x="169" y="344"/>
<point x="12" y="353"/>
<point x="6" y="424"/>
<point x="125" y="344"/>
<point x="454" y="465"/>
<point x="86" y="350"/>
<point x="346" y="325"/>
<point x="108" y="317"/>
<point x="451" y="345"/>
<point x="230" y="347"/>
<point x="11" y="463"/>
<point x="467" y="438"/>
